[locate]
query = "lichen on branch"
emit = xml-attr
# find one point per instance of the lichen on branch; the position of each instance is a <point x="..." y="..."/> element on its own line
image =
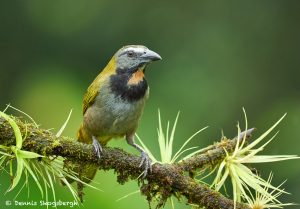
<point x="164" y="179"/>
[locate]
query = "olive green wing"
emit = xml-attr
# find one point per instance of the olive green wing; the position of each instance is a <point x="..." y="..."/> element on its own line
<point x="94" y="88"/>
<point x="90" y="95"/>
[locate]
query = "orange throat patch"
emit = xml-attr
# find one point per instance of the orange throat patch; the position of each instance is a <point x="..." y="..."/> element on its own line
<point x="136" y="77"/>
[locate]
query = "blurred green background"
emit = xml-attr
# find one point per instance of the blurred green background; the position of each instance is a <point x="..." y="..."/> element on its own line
<point x="218" y="56"/>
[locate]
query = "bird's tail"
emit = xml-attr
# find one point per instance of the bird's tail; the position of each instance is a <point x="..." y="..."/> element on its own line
<point x="85" y="171"/>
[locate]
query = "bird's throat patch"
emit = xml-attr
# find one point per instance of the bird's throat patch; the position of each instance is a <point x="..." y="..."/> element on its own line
<point x="129" y="86"/>
<point x="136" y="77"/>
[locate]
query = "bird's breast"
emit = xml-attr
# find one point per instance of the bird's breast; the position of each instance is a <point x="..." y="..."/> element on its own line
<point x="114" y="115"/>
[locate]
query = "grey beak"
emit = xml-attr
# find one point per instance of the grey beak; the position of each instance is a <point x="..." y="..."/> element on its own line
<point x="150" y="56"/>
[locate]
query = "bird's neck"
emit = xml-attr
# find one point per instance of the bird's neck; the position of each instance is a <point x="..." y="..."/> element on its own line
<point x="129" y="86"/>
<point x="136" y="78"/>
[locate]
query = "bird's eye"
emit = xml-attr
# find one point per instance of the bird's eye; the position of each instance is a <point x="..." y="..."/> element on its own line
<point x="130" y="54"/>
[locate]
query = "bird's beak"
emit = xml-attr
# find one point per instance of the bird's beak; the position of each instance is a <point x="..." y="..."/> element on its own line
<point x="150" y="56"/>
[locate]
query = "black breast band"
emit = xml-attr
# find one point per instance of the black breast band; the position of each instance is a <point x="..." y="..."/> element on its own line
<point x="119" y="86"/>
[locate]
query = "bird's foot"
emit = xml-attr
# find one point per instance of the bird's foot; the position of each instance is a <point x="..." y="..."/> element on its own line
<point x="146" y="163"/>
<point x="97" y="147"/>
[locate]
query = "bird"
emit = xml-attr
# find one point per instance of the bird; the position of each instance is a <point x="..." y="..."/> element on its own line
<point x="114" y="102"/>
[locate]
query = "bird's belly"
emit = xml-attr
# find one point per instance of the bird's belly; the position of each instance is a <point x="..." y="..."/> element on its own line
<point x="113" y="117"/>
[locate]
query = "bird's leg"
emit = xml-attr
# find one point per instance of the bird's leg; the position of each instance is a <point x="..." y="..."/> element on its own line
<point x="97" y="147"/>
<point x="145" y="162"/>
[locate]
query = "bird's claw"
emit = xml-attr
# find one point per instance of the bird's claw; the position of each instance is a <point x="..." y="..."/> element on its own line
<point x="146" y="163"/>
<point x="97" y="147"/>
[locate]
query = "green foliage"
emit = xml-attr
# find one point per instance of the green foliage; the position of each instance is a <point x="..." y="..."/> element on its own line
<point x="243" y="179"/>
<point x="45" y="171"/>
<point x="166" y="144"/>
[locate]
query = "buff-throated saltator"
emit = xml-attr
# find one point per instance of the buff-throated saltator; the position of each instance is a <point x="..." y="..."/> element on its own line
<point x="114" y="102"/>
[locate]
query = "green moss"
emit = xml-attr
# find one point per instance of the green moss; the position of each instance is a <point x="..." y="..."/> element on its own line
<point x="164" y="181"/>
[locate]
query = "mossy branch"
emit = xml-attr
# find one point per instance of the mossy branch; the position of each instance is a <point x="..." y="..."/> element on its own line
<point x="212" y="155"/>
<point x="166" y="179"/>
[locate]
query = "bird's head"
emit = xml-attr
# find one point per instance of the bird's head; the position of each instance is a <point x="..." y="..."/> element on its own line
<point x="132" y="58"/>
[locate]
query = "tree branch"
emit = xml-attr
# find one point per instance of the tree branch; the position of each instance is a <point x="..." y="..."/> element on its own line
<point x="165" y="180"/>
<point x="212" y="155"/>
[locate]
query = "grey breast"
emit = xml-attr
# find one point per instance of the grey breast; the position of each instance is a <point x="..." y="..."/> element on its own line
<point x="113" y="115"/>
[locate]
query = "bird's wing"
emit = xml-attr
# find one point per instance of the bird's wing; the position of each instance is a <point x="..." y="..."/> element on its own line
<point x="94" y="88"/>
<point x="90" y="95"/>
